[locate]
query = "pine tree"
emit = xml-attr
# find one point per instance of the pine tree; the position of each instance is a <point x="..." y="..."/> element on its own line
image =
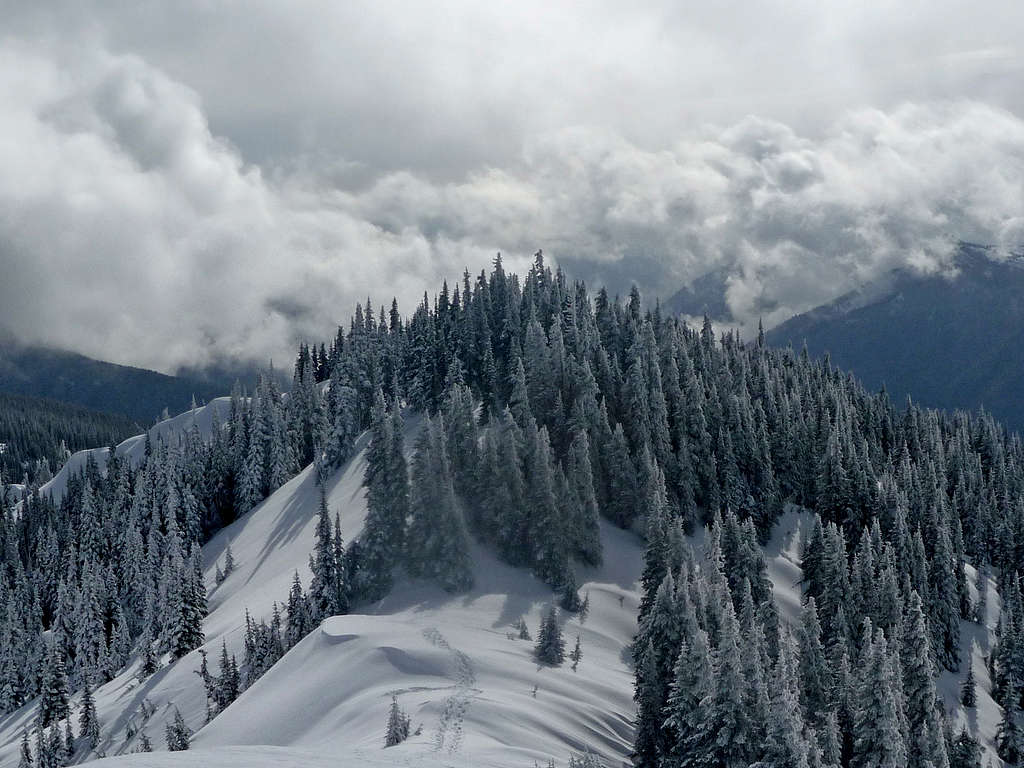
<point x="650" y="698"/>
<point x="387" y="496"/>
<point x="54" y="703"/>
<point x="687" y="714"/>
<point x="1008" y="738"/>
<point x="398" y="725"/>
<point x="965" y="751"/>
<point x="570" y="597"/>
<point x="968" y="692"/>
<point x="576" y="654"/>
<point x="981" y="606"/>
<point x="88" y="722"/>
<point x="297" y="614"/>
<point x="877" y="735"/>
<point x="438" y="544"/>
<point x="229" y="560"/>
<point x="732" y="744"/>
<point x="927" y="746"/>
<point x="322" y="563"/>
<point x="813" y="673"/>
<point x="546" y="529"/>
<point x="177" y="733"/>
<point x="550" y="648"/>
<point x="786" y="744"/>
<point x="25" y="755"/>
<point x="945" y="608"/>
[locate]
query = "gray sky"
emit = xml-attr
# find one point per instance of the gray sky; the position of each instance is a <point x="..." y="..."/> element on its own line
<point x="186" y="180"/>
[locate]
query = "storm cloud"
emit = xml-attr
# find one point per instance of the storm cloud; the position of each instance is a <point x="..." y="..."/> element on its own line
<point x="184" y="182"/>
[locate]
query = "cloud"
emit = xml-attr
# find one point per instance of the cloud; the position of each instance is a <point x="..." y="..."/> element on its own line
<point x="165" y="206"/>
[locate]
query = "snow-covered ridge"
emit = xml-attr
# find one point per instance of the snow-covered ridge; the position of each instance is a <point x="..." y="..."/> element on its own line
<point x="134" y="448"/>
<point x="475" y="693"/>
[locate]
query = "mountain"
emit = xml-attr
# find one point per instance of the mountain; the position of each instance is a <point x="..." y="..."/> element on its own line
<point x="704" y="296"/>
<point x="32" y="429"/>
<point x="759" y="560"/>
<point x="137" y="393"/>
<point x="951" y="343"/>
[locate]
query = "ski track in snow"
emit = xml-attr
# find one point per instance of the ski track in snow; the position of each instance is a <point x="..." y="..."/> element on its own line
<point x="455" y="706"/>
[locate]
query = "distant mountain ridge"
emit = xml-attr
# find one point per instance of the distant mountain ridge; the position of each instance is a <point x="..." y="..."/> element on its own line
<point x="952" y="343"/>
<point x="137" y="393"/>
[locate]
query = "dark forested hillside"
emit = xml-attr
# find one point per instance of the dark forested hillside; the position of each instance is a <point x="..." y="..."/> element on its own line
<point x="38" y="434"/>
<point x="949" y="343"/>
<point x="546" y="409"/>
<point x="139" y="394"/>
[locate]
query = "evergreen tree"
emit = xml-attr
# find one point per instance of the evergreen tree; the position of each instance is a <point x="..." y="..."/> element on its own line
<point x="965" y="751"/>
<point x="968" y="691"/>
<point x="575" y="655"/>
<point x="53" y="705"/>
<point x="398" y="725"/>
<point x="25" y="754"/>
<point x="88" y="722"/>
<point x="1008" y="739"/>
<point x="438" y="544"/>
<point x="177" y="733"/>
<point x="687" y="714"/>
<point x="387" y="496"/>
<point x="732" y="745"/>
<point x="322" y="563"/>
<point x="877" y="733"/>
<point x="927" y="746"/>
<point x="786" y="744"/>
<point x="550" y="648"/>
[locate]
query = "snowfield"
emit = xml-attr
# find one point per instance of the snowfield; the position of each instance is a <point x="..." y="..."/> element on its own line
<point x="474" y="693"/>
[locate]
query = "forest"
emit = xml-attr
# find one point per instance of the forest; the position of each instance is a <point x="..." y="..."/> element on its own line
<point x="39" y="434"/>
<point x="545" y="409"/>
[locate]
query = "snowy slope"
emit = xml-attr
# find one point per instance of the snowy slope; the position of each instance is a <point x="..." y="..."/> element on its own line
<point x="134" y="447"/>
<point x="476" y="694"/>
<point x="415" y="641"/>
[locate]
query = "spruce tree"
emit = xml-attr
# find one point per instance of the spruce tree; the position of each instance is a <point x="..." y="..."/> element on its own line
<point x="53" y="705"/>
<point x="687" y="714"/>
<point x="88" y="722"/>
<point x="877" y="733"/>
<point x="387" y="496"/>
<point x="732" y="745"/>
<point x="1008" y="738"/>
<point x="968" y="691"/>
<point x="550" y="648"/>
<point x="965" y="752"/>
<point x="398" y="725"/>
<point x="927" y="746"/>
<point x="575" y="655"/>
<point x="786" y="743"/>
<point x="322" y="564"/>
<point x="438" y="544"/>
<point x="25" y="754"/>
<point x="177" y="733"/>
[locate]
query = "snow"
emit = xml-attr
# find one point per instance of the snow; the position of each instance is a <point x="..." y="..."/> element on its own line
<point x="450" y="658"/>
<point x="474" y="693"/>
<point x="134" y="448"/>
<point x="976" y="643"/>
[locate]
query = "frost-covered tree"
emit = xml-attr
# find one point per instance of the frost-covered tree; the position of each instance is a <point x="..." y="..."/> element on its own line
<point x="177" y="733"/>
<point x="438" y="542"/>
<point x="398" y="725"/>
<point x="88" y="720"/>
<point x="387" y="496"/>
<point x="550" y="648"/>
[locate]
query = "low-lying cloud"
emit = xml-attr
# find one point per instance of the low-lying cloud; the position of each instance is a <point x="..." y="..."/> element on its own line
<point x="130" y="231"/>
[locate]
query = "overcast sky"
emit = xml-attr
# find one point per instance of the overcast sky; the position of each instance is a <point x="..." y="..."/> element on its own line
<point x="188" y="180"/>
